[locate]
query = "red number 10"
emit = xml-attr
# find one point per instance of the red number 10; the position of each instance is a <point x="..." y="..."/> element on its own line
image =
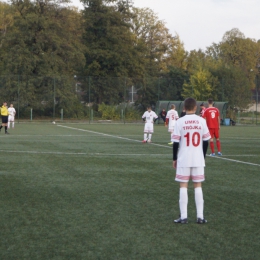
<point x="195" y="139"/>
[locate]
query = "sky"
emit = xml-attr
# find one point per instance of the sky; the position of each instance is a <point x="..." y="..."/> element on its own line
<point x="199" y="23"/>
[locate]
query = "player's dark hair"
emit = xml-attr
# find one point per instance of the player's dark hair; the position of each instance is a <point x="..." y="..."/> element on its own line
<point x="190" y="104"/>
<point x="149" y="107"/>
<point x="210" y="101"/>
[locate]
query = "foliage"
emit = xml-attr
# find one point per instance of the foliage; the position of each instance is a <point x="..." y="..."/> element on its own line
<point x="108" y="112"/>
<point x="111" y="46"/>
<point x="201" y="85"/>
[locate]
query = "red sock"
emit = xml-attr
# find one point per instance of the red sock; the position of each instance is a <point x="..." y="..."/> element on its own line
<point x="218" y="145"/>
<point x="212" y="147"/>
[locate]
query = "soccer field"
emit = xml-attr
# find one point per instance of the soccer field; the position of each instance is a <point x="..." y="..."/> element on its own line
<point x="80" y="191"/>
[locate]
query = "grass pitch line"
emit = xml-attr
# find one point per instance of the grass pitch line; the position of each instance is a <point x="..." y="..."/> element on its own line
<point x="108" y="135"/>
<point x="232" y="160"/>
<point x="75" y="153"/>
<point x="128" y="139"/>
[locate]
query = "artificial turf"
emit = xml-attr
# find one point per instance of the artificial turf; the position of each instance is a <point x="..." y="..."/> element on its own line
<point x="94" y="191"/>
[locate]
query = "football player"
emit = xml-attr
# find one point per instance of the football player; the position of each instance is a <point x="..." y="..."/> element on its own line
<point x="211" y="115"/>
<point x="171" y="117"/>
<point x="190" y="138"/>
<point x="149" y="117"/>
<point x="12" y="112"/>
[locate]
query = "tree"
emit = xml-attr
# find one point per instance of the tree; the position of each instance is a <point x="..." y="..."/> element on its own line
<point x="239" y="51"/>
<point x="35" y="49"/>
<point x="111" y="51"/>
<point x="201" y="85"/>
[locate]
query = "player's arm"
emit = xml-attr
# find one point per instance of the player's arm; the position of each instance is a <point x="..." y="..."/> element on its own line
<point x="205" y="147"/>
<point x="175" y="153"/>
<point x="166" y="121"/>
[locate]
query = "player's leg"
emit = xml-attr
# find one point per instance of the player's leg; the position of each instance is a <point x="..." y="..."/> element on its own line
<point x="8" y="125"/>
<point x="183" y="176"/>
<point x="149" y="140"/>
<point x="211" y="141"/>
<point x="218" y="141"/>
<point x="5" y="122"/>
<point x="145" y="137"/>
<point x="170" y="130"/>
<point x="198" y="177"/>
<point x="12" y="124"/>
<point x="6" y="128"/>
<point x="145" y="132"/>
<point x="1" y="125"/>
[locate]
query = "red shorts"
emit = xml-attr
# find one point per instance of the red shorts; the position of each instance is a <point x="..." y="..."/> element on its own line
<point x="214" y="132"/>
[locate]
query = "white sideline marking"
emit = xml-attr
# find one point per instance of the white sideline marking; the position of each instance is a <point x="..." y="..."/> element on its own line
<point x="242" y="138"/>
<point x="88" y="154"/>
<point x="114" y="136"/>
<point x="240" y="155"/>
<point x="3" y="136"/>
<point x="128" y="139"/>
<point x="232" y="160"/>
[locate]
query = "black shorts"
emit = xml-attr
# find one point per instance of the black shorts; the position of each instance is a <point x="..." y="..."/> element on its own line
<point x="4" y="119"/>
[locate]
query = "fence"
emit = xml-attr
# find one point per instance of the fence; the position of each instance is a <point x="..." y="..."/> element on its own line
<point x="94" y="98"/>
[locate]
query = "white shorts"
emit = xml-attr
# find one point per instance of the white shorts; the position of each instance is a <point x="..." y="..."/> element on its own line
<point x="148" y="127"/>
<point x="10" y="118"/>
<point x="183" y="174"/>
<point x="171" y="129"/>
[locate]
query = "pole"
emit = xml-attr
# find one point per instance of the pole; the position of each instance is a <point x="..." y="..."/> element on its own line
<point x="91" y="112"/>
<point x="256" y="91"/>
<point x="159" y="89"/>
<point x="222" y="96"/>
<point x="61" y="114"/>
<point x="31" y="113"/>
<point x="89" y="98"/>
<point x="124" y="99"/>
<point x="54" y="99"/>
<point x="18" y="99"/>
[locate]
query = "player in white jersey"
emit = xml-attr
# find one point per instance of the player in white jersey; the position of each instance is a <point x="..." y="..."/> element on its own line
<point x="149" y="118"/>
<point x="190" y="136"/>
<point x="12" y="112"/>
<point x="171" y="117"/>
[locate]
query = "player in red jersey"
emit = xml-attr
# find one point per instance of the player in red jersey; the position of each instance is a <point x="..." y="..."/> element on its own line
<point x="212" y="117"/>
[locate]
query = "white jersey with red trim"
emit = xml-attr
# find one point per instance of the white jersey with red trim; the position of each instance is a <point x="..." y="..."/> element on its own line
<point x="11" y="111"/>
<point x="149" y="116"/>
<point x="190" y="131"/>
<point x="172" y="115"/>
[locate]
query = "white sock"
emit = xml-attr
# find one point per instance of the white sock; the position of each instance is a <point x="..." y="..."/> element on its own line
<point x="150" y="136"/>
<point x="145" y="136"/>
<point x="8" y="124"/>
<point x="199" y="202"/>
<point x="183" y="202"/>
<point x="13" y="124"/>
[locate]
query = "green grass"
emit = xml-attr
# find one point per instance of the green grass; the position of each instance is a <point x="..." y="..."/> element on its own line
<point x="70" y="194"/>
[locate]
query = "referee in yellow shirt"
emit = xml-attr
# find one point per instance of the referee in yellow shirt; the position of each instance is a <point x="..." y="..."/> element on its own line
<point x="4" y="114"/>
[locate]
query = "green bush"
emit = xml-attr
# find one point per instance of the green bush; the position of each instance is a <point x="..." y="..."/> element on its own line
<point x="109" y="112"/>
